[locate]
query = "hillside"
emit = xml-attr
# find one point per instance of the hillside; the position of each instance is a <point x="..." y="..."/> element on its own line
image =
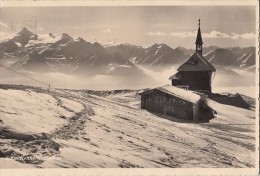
<point x="69" y="128"/>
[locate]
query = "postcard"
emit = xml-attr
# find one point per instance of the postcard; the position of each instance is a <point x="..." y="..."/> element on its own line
<point x="129" y="88"/>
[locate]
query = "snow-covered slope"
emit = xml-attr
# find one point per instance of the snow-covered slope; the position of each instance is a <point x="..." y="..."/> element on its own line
<point x="30" y="112"/>
<point x="105" y="130"/>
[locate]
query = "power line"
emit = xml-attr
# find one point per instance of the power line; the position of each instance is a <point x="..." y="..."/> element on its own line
<point x="49" y="86"/>
<point x="24" y="75"/>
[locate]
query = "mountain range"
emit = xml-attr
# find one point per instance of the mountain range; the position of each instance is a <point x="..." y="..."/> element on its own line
<point x="63" y="53"/>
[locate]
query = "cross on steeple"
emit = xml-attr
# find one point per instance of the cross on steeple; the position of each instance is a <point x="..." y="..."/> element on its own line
<point x="199" y="22"/>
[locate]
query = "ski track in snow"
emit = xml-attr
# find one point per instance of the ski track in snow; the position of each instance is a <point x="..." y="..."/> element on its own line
<point x="106" y="132"/>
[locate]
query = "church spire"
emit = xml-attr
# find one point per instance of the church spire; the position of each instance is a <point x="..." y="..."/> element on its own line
<point x="199" y="41"/>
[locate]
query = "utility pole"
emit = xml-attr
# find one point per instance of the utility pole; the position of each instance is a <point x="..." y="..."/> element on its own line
<point x="49" y="89"/>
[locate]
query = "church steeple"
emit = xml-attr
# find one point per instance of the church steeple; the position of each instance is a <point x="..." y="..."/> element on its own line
<point x="199" y="41"/>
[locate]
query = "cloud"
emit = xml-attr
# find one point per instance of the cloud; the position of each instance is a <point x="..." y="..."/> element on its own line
<point x="215" y="35"/>
<point x="3" y="24"/>
<point x="5" y="35"/>
<point x="183" y="34"/>
<point x="234" y="36"/>
<point x="76" y="27"/>
<point x="107" y="31"/>
<point x="155" y="33"/>
<point x="39" y="28"/>
<point x="248" y="36"/>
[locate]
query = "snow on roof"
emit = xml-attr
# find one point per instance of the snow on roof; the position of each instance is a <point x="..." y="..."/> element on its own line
<point x="178" y="92"/>
<point x="176" y="76"/>
<point x="181" y="93"/>
<point x="196" y="63"/>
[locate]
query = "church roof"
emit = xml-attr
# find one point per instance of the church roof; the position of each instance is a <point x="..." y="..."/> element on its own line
<point x="196" y="63"/>
<point x="199" y="38"/>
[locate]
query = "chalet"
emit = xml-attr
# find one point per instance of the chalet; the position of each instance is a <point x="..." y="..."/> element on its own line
<point x="176" y="102"/>
<point x="184" y="98"/>
<point x="196" y="73"/>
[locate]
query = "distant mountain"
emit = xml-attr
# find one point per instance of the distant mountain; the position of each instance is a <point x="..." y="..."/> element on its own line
<point x="206" y="50"/>
<point x="8" y="46"/>
<point x="160" y="55"/>
<point x="154" y="56"/>
<point x="23" y="36"/>
<point x="124" y="49"/>
<point x="63" y="53"/>
<point x="188" y="51"/>
<point x="209" y="49"/>
<point x="235" y="57"/>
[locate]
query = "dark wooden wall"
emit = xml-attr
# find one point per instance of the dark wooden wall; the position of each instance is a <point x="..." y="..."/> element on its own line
<point x="196" y="80"/>
<point x="205" y="113"/>
<point x="163" y="103"/>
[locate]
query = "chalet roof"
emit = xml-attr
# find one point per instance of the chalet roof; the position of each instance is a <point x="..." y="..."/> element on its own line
<point x="196" y="63"/>
<point x="187" y="95"/>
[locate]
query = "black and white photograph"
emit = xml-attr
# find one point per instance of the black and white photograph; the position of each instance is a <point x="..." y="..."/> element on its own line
<point x="129" y="85"/>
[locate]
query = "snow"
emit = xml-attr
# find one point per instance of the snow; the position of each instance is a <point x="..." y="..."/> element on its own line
<point x="78" y="153"/>
<point x="159" y="46"/>
<point x="128" y="98"/>
<point x="156" y="51"/>
<point x="209" y="53"/>
<point x="117" y="65"/>
<point x="241" y="57"/>
<point x="9" y="163"/>
<point x="246" y="59"/>
<point x="30" y="112"/>
<point x="156" y="60"/>
<point x="181" y="93"/>
<point x="211" y="58"/>
<point x="231" y="115"/>
<point x="110" y="44"/>
<point x="120" y="44"/>
<point x="112" y="67"/>
<point x="133" y="60"/>
<point x="118" y="134"/>
<point x="18" y="44"/>
<point x="249" y="91"/>
<point x="44" y="39"/>
<point x="74" y="106"/>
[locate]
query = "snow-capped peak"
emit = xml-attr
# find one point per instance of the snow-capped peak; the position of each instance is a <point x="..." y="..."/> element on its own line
<point x="79" y="39"/>
<point x="66" y="36"/>
<point x="24" y="32"/>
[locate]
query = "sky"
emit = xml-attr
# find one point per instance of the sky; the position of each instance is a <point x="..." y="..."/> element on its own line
<point x="223" y="26"/>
